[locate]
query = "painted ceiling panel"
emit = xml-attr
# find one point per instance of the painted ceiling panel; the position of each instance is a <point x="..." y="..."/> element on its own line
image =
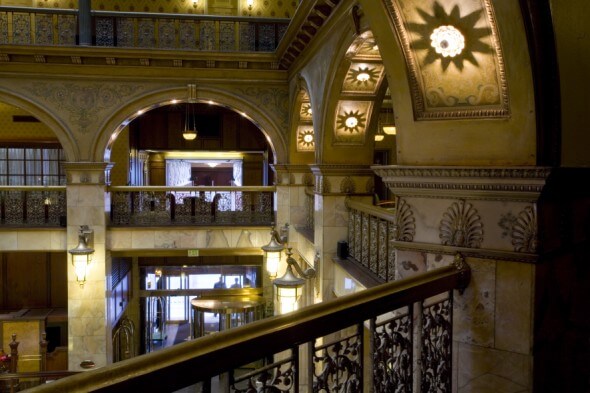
<point x="467" y="82"/>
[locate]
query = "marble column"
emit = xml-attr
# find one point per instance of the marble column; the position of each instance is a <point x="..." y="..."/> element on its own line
<point x="88" y="330"/>
<point x="333" y="184"/>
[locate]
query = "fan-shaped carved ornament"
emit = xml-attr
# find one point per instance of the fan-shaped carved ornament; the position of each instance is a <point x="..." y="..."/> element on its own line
<point x="405" y="223"/>
<point x="524" y="231"/>
<point x="461" y="226"/>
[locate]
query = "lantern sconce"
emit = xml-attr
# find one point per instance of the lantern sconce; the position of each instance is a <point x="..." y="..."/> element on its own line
<point x="289" y="285"/>
<point x="272" y="251"/>
<point x="250" y="4"/>
<point x="82" y="254"/>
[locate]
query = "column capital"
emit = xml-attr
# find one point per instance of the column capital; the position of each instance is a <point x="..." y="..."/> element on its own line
<point x="293" y="174"/>
<point x="88" y="173"/>
<point x="342" y="179"/>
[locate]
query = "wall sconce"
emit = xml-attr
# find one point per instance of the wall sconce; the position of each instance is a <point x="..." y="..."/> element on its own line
<point x="195" y="4"/>
<point x="289" y="285"/>
<point x="272" y="251"/>
<point x="82" y="254"/>
<point x="250" y="4"/>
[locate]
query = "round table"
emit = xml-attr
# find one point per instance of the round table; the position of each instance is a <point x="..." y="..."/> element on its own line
<point x="230" y="311"/>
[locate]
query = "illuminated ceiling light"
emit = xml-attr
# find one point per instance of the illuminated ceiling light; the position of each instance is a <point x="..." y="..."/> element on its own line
<point x="351" y="122"/>
<point x="211" y="102"/>
<point x="389" y="130"/>
<point x="363" y="76"/>
<point x="212" y="164"/>
<point x="447" y="41"/>
<point x="174" y="101"/>
<point x="308" y="138"/>
<point x="309" y="110"/>
<point x="140" y="112"/>
<point x="378" y="135"/>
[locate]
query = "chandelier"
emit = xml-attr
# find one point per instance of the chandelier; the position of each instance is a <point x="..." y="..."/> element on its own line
<point x="190" y="124"/>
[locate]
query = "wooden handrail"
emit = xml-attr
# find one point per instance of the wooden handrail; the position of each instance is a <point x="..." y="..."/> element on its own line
<point x="32" y="188"/>
<point x="371" y="210"/>
<point x="192" y="189"/>
<point x="187" y="363"/>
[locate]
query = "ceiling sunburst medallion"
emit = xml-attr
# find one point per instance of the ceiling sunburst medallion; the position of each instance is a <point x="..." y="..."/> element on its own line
<point x="351" y="122"/>
<point x="450" y="37"/>
<point x="305" y="139"/>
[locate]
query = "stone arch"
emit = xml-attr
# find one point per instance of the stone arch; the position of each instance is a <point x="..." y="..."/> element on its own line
<point x="301" y="149"/>
<point x="114" y="125"/>
<point x="341" y="98"/>
<point x="62" y="133"/>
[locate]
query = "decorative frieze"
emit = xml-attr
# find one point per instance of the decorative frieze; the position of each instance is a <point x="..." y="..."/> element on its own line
<point x="524" y="231"/>
<point x="405" y="223"/>
<point x="342" y="179"/>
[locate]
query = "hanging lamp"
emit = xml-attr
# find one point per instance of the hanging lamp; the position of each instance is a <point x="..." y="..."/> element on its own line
<point x="190" y="126"/>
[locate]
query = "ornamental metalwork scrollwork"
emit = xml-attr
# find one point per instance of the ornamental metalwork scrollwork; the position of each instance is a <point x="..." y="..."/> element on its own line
<point x="392" y="357"/>
<point x="340" y="365"/>
<point x="280" y="377"/>
<point x="405" y="223"/>
<point x="524" y="231"/>
<point x="437" y="335"/>
<point x="461" y="226"/>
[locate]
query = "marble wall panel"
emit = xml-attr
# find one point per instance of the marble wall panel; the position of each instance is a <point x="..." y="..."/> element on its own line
<point x="8" y="241"/>
<point x="486" y="370"/>
<point x="514" y="304"/>
<point x="474" y="311"/>
<point x="34" y="240"/>
<point x="409" y="263"/>
<point x="143" y="239"/>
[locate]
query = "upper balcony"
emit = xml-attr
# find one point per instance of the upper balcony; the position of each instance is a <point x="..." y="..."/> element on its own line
<point x="162" y="39"/>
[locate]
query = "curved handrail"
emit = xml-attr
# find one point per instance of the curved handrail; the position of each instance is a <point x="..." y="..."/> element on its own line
<point x="188" y="363"/>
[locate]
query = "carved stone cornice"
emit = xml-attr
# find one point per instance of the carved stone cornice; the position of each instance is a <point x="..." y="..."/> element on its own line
<point x="483" y="253"/>
<point x="293" y="174"/>
<point x="88" y="173"/>
<point x="487" y="183"/>
<point x="343" y="179"/>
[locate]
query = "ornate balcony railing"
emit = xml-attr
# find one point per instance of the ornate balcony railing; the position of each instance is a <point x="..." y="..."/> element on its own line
<point x="30" y="206"/>
<point x="165" y="206"/>
<point x="318" y="349"/>
<point x="45" y="26"/>
<point x="371" y="230"/>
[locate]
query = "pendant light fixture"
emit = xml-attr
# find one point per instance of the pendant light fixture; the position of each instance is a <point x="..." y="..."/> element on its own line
<point x="190" y="124"/>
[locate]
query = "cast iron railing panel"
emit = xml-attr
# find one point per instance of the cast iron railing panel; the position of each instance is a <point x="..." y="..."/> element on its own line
<point x="46" y="26"/>
<point x="169" y="206"/>
<point x="22" y="206"/>
<point x="370" y="233"/>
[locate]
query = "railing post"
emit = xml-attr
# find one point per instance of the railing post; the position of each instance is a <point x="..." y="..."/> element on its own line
<point x="84" y="23"/>
<point x="13" y="354"/>
<point x="417" y="346"/>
